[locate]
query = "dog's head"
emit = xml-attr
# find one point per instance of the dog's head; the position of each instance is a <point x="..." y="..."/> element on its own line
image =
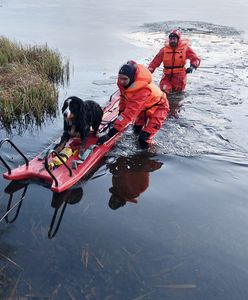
<point x="72" y="107"/>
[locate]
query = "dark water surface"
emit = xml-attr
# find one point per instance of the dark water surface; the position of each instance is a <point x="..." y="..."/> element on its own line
<point x="170" y="223"/>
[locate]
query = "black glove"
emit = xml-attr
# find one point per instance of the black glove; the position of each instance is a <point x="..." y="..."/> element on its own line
<point x="190" y="69"/>
<point x="107" y="136"/>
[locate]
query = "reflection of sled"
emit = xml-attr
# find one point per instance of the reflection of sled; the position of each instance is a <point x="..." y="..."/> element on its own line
<point x="69" y="172"/>
<point x="59" y="203"/>
<point x="13" y="187"/>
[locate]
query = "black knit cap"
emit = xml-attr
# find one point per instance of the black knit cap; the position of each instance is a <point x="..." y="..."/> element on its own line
<point x="128" y="70"/>
<point x="172" y="35"/>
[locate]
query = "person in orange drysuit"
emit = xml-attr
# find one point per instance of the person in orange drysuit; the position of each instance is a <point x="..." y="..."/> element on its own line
<point x="174" y="55"/>
<point x="130" y="178"/>
<point x="142" y="103"/>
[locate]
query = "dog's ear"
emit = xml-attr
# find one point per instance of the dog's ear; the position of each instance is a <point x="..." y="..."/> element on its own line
<point x="65" y="105"/>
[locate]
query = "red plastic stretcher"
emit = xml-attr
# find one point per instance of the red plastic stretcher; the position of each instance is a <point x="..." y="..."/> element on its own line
<point x="69" y="172"/>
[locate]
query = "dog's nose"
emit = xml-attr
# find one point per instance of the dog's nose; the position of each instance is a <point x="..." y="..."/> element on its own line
<point x="65" y="114"/>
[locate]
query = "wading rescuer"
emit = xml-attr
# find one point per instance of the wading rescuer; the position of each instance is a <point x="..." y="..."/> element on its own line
<point x="174" y="55"/>
<point x="142" y="103"/>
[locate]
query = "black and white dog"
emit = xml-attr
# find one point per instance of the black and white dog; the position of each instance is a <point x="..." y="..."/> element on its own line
<point x="79" y="117"/>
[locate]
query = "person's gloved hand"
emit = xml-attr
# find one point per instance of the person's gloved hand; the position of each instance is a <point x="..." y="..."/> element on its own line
<point x="103" y="139"/>
<point x="190" y="69"/>
<point x="107" y="136"/>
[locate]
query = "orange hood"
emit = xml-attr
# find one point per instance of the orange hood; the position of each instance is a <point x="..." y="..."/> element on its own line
<point x="142" y="78"/>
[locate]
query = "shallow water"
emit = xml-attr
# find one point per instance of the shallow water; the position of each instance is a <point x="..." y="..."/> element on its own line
<point x="182" y="234"/>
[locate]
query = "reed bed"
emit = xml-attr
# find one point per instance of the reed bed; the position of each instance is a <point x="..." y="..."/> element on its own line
<point x="29" y="80"/>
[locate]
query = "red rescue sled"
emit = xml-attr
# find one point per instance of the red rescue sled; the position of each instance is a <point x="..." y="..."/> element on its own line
<point x="69" y="172"/>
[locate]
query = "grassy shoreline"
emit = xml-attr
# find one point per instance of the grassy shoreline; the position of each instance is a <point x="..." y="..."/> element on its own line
<point x="29" y="81"/>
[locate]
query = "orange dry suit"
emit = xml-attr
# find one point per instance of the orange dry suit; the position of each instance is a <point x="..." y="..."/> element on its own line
<point x="142" y="103"/>
<point x="174" y="60"/>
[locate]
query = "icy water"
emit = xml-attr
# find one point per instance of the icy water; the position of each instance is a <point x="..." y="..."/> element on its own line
<point x="182" y="234"/>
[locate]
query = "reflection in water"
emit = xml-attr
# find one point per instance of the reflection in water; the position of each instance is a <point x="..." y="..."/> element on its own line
<point x="31" y="124"/>
<point x="59" y="201"/>
<point x="72" y="196"/>
<point x="12" y="188"/>
<point x="130" y="178"/>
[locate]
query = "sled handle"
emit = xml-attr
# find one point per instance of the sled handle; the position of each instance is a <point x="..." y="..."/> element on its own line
<point x="17" y="149"/>
<point x="47" y="166"/>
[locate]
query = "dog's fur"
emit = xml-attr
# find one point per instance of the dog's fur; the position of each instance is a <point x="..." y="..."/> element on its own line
<point x="79" y="117"/>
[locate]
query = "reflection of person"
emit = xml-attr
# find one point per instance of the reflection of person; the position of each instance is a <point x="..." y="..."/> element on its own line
<point x="130" y="178"/>
<point x="142" y="103"/>
<point x="174" y="55"/>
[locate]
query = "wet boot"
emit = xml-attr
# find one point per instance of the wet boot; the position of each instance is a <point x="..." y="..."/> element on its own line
<point x="137" y="129"/>
<point x="143" y="139"/>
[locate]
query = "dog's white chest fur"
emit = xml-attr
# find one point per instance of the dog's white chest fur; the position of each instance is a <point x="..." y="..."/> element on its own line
<point x="73" y="132"/>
